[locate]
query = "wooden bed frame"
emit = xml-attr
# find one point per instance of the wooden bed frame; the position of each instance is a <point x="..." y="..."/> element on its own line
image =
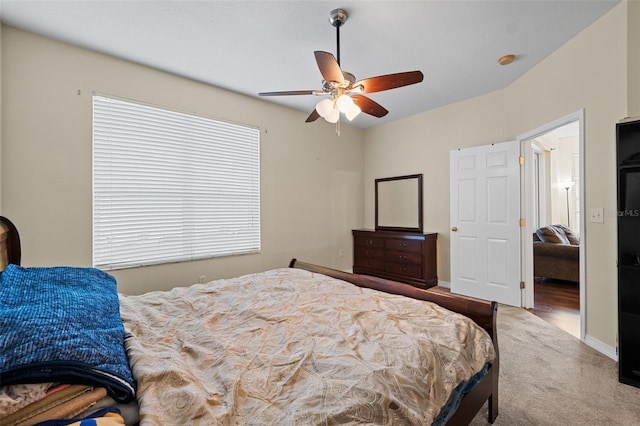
<point x="482" y="312"/>
<point x="9" y="243"/>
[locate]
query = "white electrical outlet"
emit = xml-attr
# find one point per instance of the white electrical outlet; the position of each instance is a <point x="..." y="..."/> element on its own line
<point x="597" y="215"/>
<point x="202" y="279"/>
<point x="341" y="253"/>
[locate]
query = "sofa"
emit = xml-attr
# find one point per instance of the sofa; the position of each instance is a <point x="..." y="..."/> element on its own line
<point x="556" y="253"/>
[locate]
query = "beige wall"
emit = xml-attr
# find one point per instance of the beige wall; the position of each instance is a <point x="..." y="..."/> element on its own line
<point x="633" y="48"/>
<point x="311" y="179"/>
<point x="0" y="122"/>
<point x="421" y="144"/>
<point x="315" y="187"/>
<point x="589" y="72"/>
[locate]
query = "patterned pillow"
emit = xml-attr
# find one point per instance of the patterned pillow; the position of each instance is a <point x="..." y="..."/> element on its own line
<point x="571" y="237"/>
<point x="550" y="234"/>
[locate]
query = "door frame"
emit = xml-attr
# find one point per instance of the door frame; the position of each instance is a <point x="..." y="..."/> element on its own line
<point x="542" y="190"/>
<point x="526" y="206"/>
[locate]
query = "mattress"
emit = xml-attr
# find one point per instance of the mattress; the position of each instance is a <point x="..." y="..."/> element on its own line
<point x="288" y="346"/>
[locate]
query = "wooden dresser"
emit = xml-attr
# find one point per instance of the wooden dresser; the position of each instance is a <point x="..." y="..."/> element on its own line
<point x="408" y="257"/>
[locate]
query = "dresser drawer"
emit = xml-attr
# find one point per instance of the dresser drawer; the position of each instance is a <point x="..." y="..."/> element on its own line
<point x="369" y="263"/>
<point x="407" y="257"/>
<point x="412" y="271"/>
<point x="404" y="245"/>
<point x="369" y="242"/>
<point x="403" y="257"/>
<point x="368" y="252"/>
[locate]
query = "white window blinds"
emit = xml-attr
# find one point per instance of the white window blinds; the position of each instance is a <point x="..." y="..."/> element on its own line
<point x="171" y="187"/>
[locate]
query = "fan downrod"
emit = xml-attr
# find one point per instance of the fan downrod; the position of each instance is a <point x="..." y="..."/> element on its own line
<point x="338" y="17"/>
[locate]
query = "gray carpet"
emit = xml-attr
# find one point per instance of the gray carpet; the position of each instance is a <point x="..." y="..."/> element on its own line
<point x="548" y="377"/>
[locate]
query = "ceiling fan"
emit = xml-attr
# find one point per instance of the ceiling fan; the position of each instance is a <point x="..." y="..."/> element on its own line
<point x="345" y="93"/>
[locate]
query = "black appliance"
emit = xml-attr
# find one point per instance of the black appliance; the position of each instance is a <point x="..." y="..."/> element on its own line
<point x="628" y="163"/>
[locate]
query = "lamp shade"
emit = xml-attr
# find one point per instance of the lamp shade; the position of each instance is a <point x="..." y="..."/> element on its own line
<point x="353" y="112"/>
<point x="333" y="116"/>
<point x="344" y="103"/>
<point x="324" y="107"/>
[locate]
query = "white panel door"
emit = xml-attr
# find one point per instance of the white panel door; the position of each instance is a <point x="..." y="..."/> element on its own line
<point x="485" y="222"/>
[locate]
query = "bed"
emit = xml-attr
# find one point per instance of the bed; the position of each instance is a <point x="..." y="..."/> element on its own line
<point x="299" y="345"/>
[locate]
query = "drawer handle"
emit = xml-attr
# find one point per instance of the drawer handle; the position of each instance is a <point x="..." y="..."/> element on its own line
<point x="403" y="269"/>
<point x="403" y="257"/>
<point x="403" y="245"/>
<point x="370" y="242"/>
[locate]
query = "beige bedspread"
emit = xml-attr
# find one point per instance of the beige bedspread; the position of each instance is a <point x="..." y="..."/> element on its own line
<point x="289" y="347"/>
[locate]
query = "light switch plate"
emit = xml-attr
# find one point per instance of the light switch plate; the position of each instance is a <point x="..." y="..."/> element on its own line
<point x="597" y="215"/>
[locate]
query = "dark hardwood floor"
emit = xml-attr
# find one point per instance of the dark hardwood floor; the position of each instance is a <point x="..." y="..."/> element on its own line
<point x="558" y="302"/>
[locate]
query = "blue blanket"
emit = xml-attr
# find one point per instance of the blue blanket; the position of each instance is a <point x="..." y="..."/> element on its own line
<point x="63" y="325"/>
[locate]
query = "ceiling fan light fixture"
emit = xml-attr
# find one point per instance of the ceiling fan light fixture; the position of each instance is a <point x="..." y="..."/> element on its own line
<point x="344" y="103"/>
<point x="333" y="116"/>
<point x="346" y="94"/>
<point x="353" y="112"/>
<point x="324" y="107"/>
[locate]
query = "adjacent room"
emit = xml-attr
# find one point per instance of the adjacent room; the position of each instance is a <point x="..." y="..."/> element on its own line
<point x="181" y="160"/>
<point x="556" y="156"/>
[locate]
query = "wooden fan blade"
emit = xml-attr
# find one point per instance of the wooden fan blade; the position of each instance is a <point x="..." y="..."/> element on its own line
<point x="389" y="81"/>
<point x="287" y="93"/>
<point x="313" y="116"/>
<point x="329" y="67"/>
<point x="369" y="106"/>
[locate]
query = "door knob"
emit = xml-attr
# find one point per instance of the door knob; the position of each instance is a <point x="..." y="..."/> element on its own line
<point x="454" y="229"/>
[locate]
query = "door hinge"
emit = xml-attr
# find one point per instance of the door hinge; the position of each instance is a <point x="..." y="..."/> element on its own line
<point x="521" y="285"/>
<point x="521" y="223"/>
<point x="521" y="160"/>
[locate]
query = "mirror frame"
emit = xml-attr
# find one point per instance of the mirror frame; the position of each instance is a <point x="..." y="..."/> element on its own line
<point x="379" y="227"/>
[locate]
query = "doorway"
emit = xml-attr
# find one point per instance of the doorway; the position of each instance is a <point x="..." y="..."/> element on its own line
<point x="553" y="194"/>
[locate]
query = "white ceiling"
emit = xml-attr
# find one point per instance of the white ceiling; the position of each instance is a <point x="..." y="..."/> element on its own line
<point x="257" y="46"/>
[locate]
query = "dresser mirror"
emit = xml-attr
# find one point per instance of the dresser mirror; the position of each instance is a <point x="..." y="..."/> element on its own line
<point x="399" y="203"/>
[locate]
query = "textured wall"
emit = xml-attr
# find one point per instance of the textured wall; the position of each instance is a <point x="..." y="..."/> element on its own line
<point x="311" y="179"/>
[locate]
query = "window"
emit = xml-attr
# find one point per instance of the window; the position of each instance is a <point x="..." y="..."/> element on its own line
<point x="170" y="187"/>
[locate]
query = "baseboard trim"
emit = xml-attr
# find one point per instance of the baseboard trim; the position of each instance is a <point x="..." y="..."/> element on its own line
<point x="602" y="347"/>
<point x="445" y="284"/>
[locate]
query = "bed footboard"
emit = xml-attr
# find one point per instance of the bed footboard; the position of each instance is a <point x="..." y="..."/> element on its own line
<point x="482" y="312"/>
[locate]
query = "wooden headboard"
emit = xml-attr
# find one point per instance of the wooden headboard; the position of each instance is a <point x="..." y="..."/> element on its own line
<point x="10" y="251"/>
